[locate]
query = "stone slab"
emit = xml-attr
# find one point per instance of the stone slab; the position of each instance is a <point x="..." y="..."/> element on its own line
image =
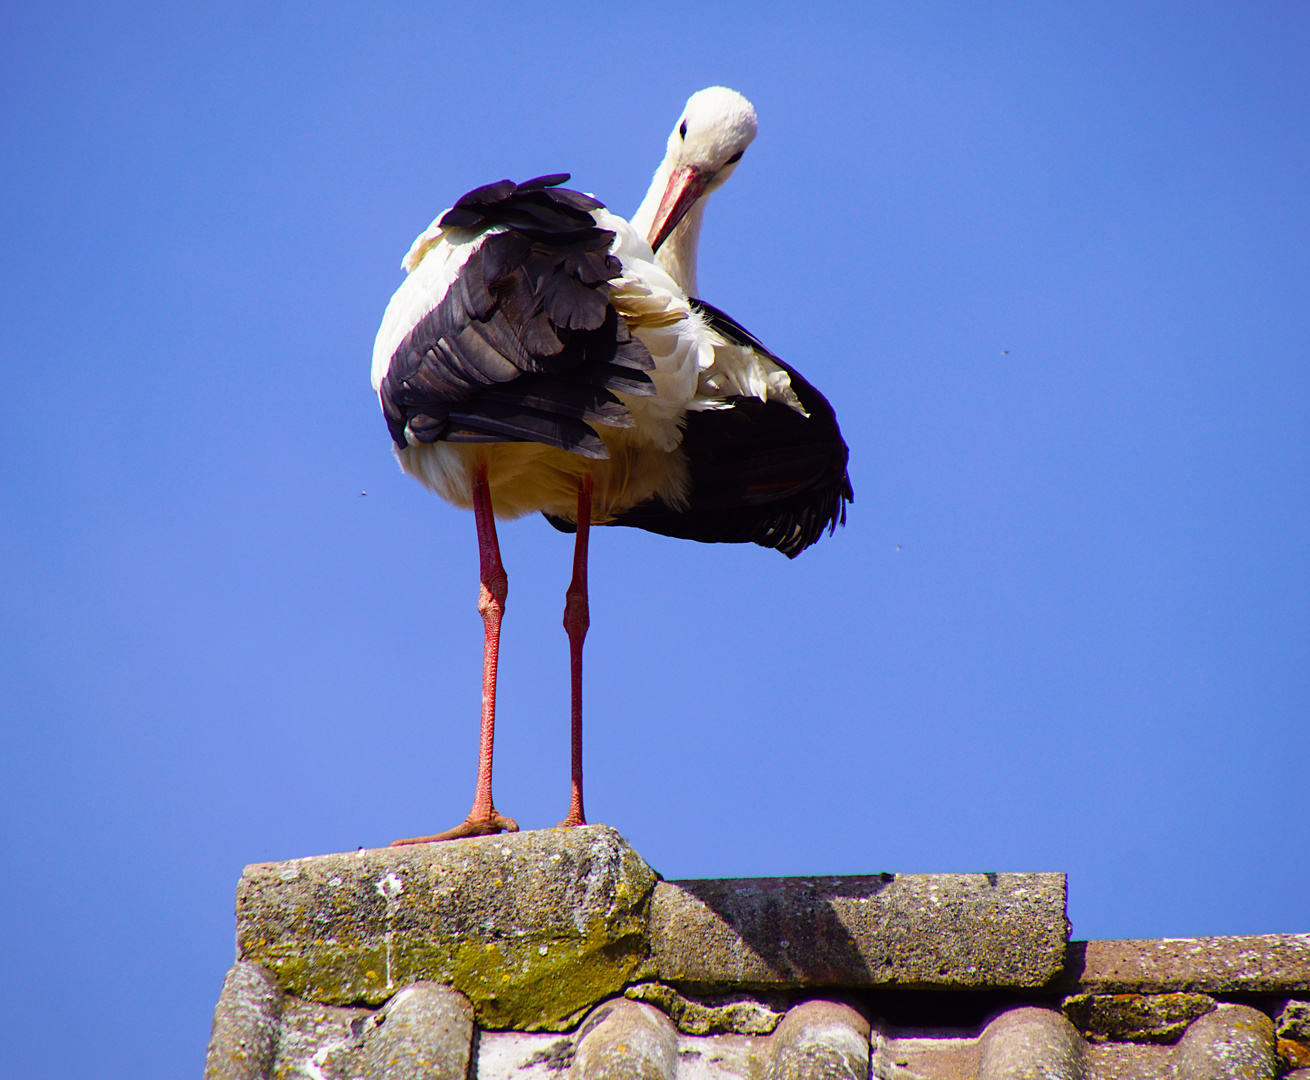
<point x="534" y="927"/>
<point x="1266" y="963"/>
<point x="911" y="930"/>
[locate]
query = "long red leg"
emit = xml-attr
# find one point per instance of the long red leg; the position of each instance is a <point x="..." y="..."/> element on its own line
<point x="483" y="818"/>
<point x="576" y="620"/>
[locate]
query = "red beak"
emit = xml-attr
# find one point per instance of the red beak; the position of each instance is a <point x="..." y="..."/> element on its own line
<point x="685" y="186"/>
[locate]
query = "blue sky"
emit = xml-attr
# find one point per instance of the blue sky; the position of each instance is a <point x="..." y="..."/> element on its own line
<point x="1049" y="261"/>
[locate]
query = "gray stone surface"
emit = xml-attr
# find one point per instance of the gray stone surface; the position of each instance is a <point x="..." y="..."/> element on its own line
<point x="1234" y="1042"/>
<point x="820" y="1040"/>
<point x="1031" y="1042"/>
<point x="1268" y="963"/>
<point x="625" y="1040"/>
<point x="534" y="927"/>
<point x="522" y="1055"/>
<point x="712" y="1014"/>
<point x="1155" y="1018"/>
<point x="318" y="1042"/>
<point x="247" y="1023"/>
<point x="928" y="930"/>
<point x="424" y="1032"/>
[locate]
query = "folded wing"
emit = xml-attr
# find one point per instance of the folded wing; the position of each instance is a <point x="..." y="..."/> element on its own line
<point x="507" y="333"/>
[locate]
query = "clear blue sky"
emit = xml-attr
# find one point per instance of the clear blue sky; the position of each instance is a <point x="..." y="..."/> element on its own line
<point x="1050" y="261"/>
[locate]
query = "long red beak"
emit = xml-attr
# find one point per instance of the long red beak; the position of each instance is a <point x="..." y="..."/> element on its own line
<point x="685" y="186"/>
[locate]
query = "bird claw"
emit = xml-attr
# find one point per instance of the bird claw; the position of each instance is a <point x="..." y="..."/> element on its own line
<point x="482" y="825"/>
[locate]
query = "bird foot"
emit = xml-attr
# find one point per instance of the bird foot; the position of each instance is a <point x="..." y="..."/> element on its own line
<point x="482" y="825"/>
<point x="571" y="821"/>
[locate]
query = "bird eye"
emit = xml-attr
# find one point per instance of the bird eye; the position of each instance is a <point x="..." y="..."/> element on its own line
<point x="682" y="130"/>
<point x="736" y="157"/>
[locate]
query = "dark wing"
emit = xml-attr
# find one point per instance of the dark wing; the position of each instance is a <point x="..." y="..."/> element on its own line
<point x="760" y="472"/>
<point x="524" y="346"/>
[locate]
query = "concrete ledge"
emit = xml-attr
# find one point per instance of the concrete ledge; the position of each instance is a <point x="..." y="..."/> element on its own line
<point x="914" y="930"/>
<point x="1266" y="963"/>
<point x="536" y="928"/>
<point x="533" y="927"/>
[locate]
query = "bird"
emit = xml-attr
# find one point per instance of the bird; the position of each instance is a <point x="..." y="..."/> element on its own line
<point x="544" y="355"/>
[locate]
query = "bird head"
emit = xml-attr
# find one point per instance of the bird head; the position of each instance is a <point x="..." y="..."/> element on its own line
<point x="704" y="147"/>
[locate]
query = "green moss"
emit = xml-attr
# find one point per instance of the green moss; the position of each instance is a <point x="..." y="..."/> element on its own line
<point x="519" y="986"/>
<point x="526" y="983"/>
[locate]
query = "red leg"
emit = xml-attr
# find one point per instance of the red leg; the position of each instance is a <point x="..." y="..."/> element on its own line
<point x="483" y="818"/>
<point x="576" y="620"/>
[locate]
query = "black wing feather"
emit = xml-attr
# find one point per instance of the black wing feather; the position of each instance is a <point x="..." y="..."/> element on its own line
<point x="760" y="472"/>
<point x="524" y="346"/>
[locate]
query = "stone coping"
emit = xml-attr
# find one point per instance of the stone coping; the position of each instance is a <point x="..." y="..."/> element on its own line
<point x="537" y="927"/>
<point x="923" y="930"/>
<point x="1258" y="964"/>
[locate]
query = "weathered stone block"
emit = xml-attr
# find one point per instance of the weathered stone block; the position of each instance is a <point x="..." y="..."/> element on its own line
<point x="927" y="930"/>
<point x="1267" y="963"/>
<point x="533" y="927"/>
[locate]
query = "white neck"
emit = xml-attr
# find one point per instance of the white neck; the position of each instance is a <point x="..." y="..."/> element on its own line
<point x="677" y="255"/>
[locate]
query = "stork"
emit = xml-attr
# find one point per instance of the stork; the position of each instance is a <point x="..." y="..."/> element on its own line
<point x="540" y="357"/>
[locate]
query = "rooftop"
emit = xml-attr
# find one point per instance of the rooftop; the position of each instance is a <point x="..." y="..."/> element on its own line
<point x="534" y="954"/>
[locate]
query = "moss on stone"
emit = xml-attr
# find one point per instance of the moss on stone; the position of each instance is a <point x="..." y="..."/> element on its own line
<point x="534" y="929"/>
<point x="1139" y="1018"/>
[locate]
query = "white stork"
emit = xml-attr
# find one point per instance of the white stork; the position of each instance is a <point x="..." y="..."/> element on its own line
<point x="537" y="357"/>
